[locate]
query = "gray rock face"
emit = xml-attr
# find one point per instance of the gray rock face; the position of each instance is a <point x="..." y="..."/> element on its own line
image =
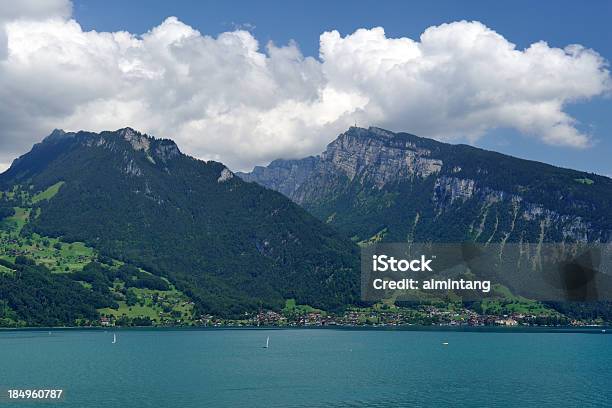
<point x="136" y="139"/>
<point x="372" y="183"/>
<point x="166" y="150"/>
<point x="450" y="189"/>
<point x="284" y="176"/>
<point x="378" y="159"/>
<point x="355" y="154"/>
<point x="225" y="175"/>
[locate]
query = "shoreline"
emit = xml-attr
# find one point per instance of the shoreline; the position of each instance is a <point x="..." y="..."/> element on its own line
<point x="466" y="329"/>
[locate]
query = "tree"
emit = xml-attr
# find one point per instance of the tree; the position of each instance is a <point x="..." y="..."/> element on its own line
<point x="130" y="298"/>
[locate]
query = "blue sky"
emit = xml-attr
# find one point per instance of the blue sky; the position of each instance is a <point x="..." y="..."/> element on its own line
<point x="105" y="83"/>
<point x="522" y="22"/>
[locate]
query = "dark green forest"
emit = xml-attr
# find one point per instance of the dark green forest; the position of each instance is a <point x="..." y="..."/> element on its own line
<point x="231" y="246"/>
<point x="32" y="296"/>
<point x="361" y="210"/>
<point x="157" y="220"/>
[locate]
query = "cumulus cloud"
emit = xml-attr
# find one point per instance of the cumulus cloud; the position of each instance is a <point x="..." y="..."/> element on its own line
<point x="227" y="98"/>
<point x="30" y="9"/>
<point x="34" y="9"/>
<point x="463" y="79"/>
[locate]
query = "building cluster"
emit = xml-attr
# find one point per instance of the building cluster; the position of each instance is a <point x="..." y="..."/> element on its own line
<point x="427" y="315"/>
<point x="391" y="317"/>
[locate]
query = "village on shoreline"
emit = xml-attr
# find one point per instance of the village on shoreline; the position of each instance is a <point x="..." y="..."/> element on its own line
<point x="365" y="317"/>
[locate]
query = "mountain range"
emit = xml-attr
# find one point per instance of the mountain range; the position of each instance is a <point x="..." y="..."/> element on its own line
<point x="375" y="185"/>
<point x="105" y="223"/>
<point x="231" y="246"/>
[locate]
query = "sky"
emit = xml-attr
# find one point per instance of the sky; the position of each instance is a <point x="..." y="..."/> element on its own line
<point x="248" y="82"/>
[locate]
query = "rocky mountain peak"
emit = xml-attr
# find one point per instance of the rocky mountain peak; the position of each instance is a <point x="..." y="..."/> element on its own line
<point x="58" y="134"/>
<point x="423" y="188"/>
<point x="379" y="155"/>
<point x="367" y="155"/>
<point x="284" y="176"/>
<point x="355" y="131"/>
<point x="228" y="243"/>
<point x="136" y="139"/>
<point x="164" y="149"/>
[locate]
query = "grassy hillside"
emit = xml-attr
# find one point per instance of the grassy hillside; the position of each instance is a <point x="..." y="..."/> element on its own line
<point x="232" y="247"/>
<point x="47" y="282"/>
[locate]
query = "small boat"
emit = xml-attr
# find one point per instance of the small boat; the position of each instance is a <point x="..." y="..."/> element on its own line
<point x="114" y="338"/>
<point x="267" y="342"/>
<point x="445" y="343"/>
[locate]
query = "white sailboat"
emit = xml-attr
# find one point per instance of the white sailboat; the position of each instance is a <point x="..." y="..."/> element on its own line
<point x="114" y="338"/>
<point x="267" y="342"/>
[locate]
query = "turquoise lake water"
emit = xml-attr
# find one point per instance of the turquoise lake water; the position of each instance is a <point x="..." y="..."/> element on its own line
<point x="309" y="368"/>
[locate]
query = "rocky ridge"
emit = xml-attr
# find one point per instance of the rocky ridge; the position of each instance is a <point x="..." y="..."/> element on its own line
<point x="368" y="175"/>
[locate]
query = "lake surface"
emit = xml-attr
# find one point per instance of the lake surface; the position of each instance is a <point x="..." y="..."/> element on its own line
<point x="309" y="368"/>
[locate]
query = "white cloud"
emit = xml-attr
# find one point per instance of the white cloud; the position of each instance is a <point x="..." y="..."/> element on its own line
<point x="30" y="10"/>
<point x="224" y="98"/>
<point x="462" y="79"/>
<point x="34" y="9"/>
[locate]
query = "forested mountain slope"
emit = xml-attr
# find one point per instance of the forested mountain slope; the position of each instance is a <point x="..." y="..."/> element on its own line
<point x="376" y="185"/>
<point x="231" y="246"/>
